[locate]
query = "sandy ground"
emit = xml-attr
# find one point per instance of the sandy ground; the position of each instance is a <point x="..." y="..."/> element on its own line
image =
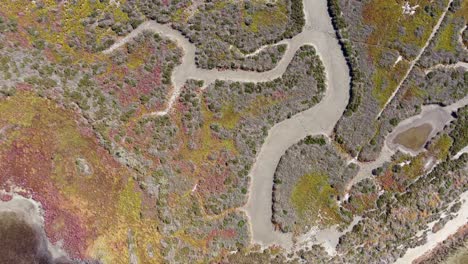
<point x="328" y="237"/>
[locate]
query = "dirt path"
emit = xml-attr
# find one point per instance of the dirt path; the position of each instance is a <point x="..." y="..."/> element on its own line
<point x="433" y="239"/>
<point x="447" y="66"/>
<point x="188" y="70"/>
<point x="461" y="152"/>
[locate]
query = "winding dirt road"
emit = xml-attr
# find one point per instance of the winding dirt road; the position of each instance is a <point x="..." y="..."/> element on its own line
<point x="320" y="119"/>
<point x="188" y="70"/>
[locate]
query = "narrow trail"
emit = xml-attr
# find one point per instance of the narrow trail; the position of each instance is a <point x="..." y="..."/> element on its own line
<point x="262" y="48"/>
<point x="447" y="66"/>
<point x="461" y="152"/>
<point x="434" y="31"/>
<point x="460" y="37"/>
<point x="188" y="70"/>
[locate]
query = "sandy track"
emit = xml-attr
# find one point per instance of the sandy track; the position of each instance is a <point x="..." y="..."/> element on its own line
<point x="188" y="70"/>
<point x="433" y="239"/>
<point x="320" y="119"/>
<point x="447" y="66"/>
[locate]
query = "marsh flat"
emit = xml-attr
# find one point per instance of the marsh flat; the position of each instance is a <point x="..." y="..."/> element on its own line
<point x="414" y="138"/>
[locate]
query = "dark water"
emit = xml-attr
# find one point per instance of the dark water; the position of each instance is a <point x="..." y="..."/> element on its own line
<point x="20" y="243"/>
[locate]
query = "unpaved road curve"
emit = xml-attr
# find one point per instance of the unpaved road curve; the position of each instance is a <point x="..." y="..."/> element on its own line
<point x="320" y="119"/>
<point x="188" y="70"/>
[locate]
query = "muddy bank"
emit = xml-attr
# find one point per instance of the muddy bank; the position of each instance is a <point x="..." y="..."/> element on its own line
<point x="21" y="243"/>
<point x="432" y="120"/>
<point x="436" y="116"/>
<point x="22" y="235"/>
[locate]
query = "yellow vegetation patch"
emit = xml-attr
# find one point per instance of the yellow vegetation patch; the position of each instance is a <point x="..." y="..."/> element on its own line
<point x="440" y="148"/>
<point x="312" y="198"/>
<point x="264" y="18"/>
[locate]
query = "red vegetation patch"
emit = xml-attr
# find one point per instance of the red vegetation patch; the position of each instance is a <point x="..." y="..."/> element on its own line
<point x="224" y="234"/>
<point x="30" y="167"/>
<point x="24" y="87"/>
<point x="389" y="183"/>
<point x="41" y="155"/>
<point x="5" y="197"/>
<point x="213" y="177"/>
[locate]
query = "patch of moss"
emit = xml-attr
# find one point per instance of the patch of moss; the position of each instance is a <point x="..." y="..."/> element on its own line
<point x="415" y="168"/>
<point x="230" y="117"/>
<point x="386" y="81"/>
<point x="265" y="18"/>
<point x="313" y="199"/>
<point x="387" y="16"/>
<point x="440" y="148"/>
<point x="446" y="40"/>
